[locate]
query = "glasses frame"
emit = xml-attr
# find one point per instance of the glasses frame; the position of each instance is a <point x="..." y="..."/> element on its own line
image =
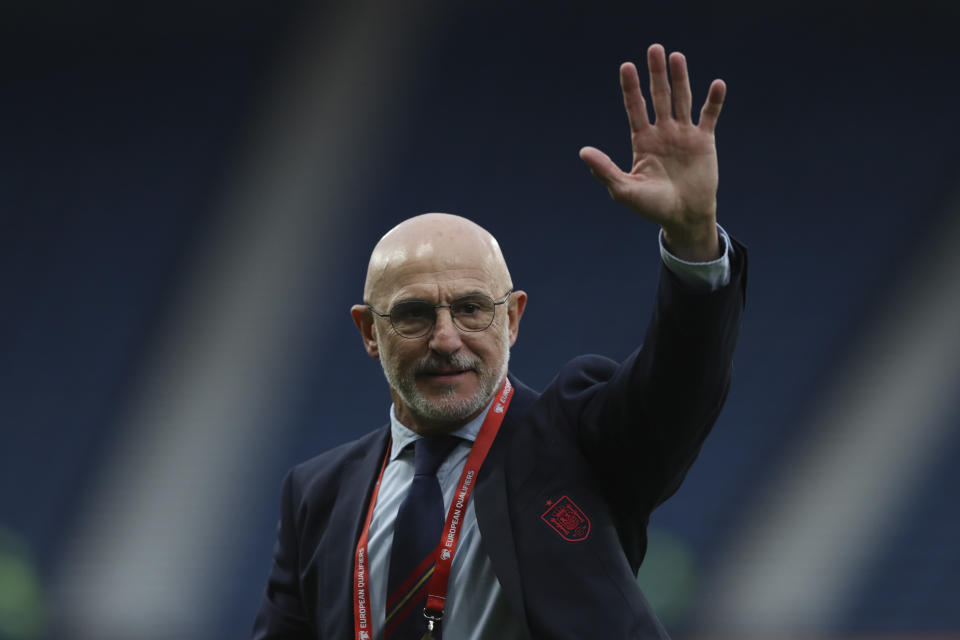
<point x="453" y="318"/>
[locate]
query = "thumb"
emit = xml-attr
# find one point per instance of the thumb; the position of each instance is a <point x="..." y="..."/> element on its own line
<point x="601" y="166"/>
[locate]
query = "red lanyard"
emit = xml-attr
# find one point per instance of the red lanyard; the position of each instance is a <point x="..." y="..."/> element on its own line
<point x="437" y="587"/>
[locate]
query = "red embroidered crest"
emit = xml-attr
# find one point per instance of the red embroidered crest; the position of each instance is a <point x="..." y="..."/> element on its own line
<point x="567" y="519"/>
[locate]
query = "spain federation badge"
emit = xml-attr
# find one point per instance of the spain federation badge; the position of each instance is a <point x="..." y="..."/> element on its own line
<point x="567" y="519"/>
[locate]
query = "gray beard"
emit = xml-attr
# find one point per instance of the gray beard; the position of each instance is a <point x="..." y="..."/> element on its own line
<point x="447" y="408"/>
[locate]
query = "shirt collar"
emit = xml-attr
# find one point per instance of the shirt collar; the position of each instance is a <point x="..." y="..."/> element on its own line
<point x="402" y="436"/>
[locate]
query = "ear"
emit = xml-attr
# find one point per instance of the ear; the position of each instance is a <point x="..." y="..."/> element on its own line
<point x="363" y="318"/>
<point x="515" y="307"/>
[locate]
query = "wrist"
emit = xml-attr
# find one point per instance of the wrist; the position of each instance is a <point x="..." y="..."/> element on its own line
<point x="699" y="244"/>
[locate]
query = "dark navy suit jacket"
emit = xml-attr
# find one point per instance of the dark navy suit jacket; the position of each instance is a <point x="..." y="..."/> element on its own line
<point x="564" y="496"/>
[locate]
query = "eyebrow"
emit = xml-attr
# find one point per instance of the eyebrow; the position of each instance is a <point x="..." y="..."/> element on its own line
<point x="469" y="294"/>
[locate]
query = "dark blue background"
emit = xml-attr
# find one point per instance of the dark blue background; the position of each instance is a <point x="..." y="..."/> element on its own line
<point x="118" y="125"/>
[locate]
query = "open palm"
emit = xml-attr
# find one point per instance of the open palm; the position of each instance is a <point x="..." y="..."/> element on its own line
<point x="673" y="178"/>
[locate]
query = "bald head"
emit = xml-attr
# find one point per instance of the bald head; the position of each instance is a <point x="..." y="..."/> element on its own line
<point x="446" y="245"/>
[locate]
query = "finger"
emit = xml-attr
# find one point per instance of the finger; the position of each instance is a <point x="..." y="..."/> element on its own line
<point x="633" y="100"/>
<point x="601" y="166"/>
<point x="711" y="107"/>
<point x="659" y="85"/>
<point x="682" y="98"/>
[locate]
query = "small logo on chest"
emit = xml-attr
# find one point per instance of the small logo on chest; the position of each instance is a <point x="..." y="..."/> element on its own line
<point x="567" y="519"/>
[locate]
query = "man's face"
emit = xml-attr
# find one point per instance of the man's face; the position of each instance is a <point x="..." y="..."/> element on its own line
<point x="445" y="378"/>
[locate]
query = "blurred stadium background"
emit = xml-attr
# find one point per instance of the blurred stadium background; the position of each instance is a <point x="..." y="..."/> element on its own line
<point x="188" y="195"/>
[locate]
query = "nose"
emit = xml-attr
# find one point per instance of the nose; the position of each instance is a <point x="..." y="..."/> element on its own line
<point x="445" y="337"/>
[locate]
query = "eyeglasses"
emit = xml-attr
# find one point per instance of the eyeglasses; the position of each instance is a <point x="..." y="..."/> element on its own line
<point x="415" y="318"/>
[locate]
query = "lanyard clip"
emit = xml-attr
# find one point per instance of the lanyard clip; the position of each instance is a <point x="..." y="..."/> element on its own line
<point x="431" y="619"/>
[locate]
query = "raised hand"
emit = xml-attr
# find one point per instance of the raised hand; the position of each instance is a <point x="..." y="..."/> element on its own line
<point x="673" y="179"/>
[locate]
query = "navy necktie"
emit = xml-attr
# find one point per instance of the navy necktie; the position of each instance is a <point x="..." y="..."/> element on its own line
<point x="416" y="536"/>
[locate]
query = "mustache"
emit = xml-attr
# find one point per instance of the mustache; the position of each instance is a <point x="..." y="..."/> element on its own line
<point x="458" y="362"/>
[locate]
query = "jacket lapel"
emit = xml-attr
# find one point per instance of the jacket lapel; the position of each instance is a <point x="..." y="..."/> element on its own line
<point x="493" y="514"/>
<point x="358" y="478"/>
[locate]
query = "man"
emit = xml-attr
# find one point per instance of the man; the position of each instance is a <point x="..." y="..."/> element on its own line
<point x="545" y="496"/>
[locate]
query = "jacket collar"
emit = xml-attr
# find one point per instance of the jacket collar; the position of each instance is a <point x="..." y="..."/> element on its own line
<point x="491" y="500"/>
<point x="358" y="477"/>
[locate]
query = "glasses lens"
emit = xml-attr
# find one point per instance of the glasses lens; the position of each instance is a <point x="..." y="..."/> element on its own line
<point x="473" y="313"/>
<point x="412" y="319"/>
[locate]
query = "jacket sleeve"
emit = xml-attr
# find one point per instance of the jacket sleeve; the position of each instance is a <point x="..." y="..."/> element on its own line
<point x="644" y="420"/>
<point x="282" y="615"/>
